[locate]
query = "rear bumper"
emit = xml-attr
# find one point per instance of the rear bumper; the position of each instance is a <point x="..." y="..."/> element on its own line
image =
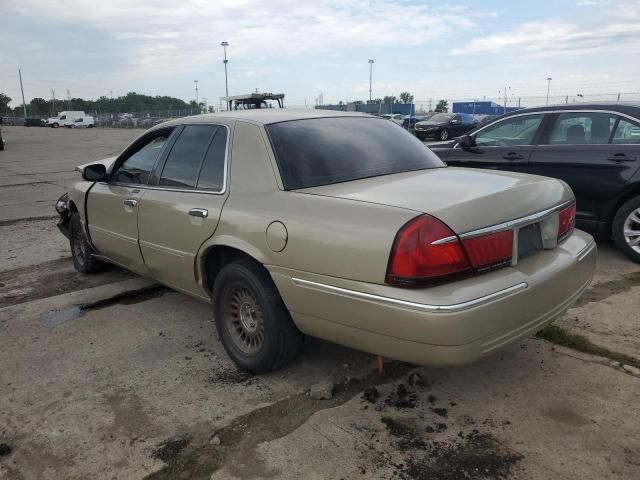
<point x="446" y="325"/>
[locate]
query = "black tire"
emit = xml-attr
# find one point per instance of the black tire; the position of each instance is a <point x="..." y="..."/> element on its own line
<point x="81" y="251"/>
<point x="266" y="339"/>
<point x="444" y="134"/>
<point x="55" y="125"/>
<point x="1" y="144"/>
<point x="627" y="218"/>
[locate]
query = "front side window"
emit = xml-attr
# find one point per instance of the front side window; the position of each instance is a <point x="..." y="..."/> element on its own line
<point x="510" y="132"/>
<point x="322" y="151"/>
<point x="137" y="168"/>
<point x="626" y="132"/>
<point x="582" y="128"/>
<point x="184" y="161"/>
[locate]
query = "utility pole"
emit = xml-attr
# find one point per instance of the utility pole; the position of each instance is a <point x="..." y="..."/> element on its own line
<point x="505" y="99"/>
<point x="196" y="83"/>
<point x="24" y="104"/>
<point x="69" y="99"/>
<point x="224" y="45"/>
<point x="53" y="99"/>
<point x="548" y="88"/>
<point x="371" y="62"/>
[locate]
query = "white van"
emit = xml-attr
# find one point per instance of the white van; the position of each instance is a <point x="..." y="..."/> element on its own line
<point x="63" y="118"/>
<point x="85" y="121"/>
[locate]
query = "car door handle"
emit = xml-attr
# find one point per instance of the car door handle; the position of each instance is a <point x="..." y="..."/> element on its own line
<point x="199" y="212"/>
<point x="130" y="202"/>
<point x="513" y="156"/>
<point x="621" y="157"/>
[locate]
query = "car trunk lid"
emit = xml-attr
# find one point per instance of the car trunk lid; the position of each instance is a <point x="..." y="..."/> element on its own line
<point x="464" y="199"/>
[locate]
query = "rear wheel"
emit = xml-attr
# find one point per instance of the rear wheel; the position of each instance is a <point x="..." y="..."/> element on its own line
<point x="252" y="321"/>
<point x="626" y="229"/>
<point x="444" y="134"/>
<point x="81" y="251"/>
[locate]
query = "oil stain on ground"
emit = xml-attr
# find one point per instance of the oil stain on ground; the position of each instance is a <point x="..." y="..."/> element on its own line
<point x="57" y="317"/>
<point x="234" y="448"/>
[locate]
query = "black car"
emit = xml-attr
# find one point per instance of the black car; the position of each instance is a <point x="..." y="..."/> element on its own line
<point x="445" y="125"/>
<point x="595" y="148"/>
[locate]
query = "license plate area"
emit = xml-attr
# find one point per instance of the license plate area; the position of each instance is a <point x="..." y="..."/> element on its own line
<point x="529" y="240"/>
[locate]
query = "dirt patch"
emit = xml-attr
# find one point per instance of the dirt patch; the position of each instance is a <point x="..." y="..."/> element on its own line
<point x="401" y="398"/>
<point x="169" y="450"/>
<point x="560" y="336"/>
<point x="5" y="449"/>
<point x="235" y="445"/>
<point x="49" y="279"/>
<point x="603" y="290"/>
<point x="407" y="435"/>
<point x="472" y="456"/>
<point x="231" y="376"/>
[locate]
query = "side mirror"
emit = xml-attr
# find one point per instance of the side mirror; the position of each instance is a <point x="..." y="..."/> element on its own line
<point x="95" y="172"/>
<point x="466" y="141"/>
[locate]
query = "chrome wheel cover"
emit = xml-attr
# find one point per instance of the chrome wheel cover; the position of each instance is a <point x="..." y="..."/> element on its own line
<point x="243" y="319"/>
<point x="631" y="230"/>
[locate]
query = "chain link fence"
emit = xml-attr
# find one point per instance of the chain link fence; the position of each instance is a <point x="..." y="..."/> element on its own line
<point x="147" y="119"/>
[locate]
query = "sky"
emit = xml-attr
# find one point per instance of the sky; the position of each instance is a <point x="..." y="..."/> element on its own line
<point x="458" y="49"/>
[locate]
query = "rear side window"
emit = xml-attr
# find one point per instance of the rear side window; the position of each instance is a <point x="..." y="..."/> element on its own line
<point x="212" y="172"/>
<point x="322" y="151"/>
<point x="582" y="128"/>
<point x="626" y="132"/>
<point x="183" y="162"/>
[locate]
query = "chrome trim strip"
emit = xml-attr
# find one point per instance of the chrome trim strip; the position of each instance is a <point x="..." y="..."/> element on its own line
<point x="518" y="222"/>
<point x="451" y="239"/>
<point x="422" y="307"/>
<point x="586" y="250"/>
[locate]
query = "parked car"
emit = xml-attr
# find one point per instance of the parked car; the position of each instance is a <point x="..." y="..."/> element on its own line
<point x="81" y="122"/>
<point x="445" y="125"/>
<point x="595" y="148"/>
<point x="483" y="119"/>
<point x="336" y="225"/>
<point x="394" y="117"/>
<point x="410" y="121"/>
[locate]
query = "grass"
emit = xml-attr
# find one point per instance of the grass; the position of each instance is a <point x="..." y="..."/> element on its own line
<point x="560" y="336"/>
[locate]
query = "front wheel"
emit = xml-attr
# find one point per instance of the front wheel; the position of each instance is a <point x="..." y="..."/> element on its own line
<point x="81" y="250"/>
<point x="55" y="125"/>
<point x="444" y="134"/>
<point x="253" y="323"/>
<point x="625" y="229"/>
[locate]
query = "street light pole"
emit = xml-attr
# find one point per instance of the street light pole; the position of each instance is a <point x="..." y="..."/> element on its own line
<point x="225" y="61"/>
<point x="370" y="77"/>
<point x="196" y="83"/>
<point x="548" y="88"/>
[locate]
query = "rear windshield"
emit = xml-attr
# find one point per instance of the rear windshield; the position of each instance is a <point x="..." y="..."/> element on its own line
<point x="322" y="151"/>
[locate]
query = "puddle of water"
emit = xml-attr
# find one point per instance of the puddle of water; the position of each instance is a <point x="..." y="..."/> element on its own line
<point x="58" y="317"/>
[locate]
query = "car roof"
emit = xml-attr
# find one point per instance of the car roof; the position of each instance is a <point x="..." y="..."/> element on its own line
<point x="630" y="108"/>
<point x="262" y="116"/>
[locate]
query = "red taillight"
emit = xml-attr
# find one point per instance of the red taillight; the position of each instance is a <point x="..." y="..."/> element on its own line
<point x="489" y="251"/>
<point x="566" y="220"/>
<point x="426" y="251"/>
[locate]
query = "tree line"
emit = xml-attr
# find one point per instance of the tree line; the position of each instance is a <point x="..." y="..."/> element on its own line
<point x="131" y="102"/>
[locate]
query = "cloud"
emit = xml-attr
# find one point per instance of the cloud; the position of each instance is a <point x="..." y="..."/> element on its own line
<point x="613" y="30"/>
<point x="185" y="36"/>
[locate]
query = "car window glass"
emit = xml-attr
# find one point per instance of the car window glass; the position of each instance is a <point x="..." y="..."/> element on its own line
<point x="183" y="162"/>
<point x="511" y="131"/>
<point x="582" y="128"/>
<point x="137" y="168"/>
<point x="627" y="132"/>
<point x="212" y="172"/>
<point x="322" y="151"/>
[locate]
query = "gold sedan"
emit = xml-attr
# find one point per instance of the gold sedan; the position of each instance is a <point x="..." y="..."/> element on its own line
<point x="337" y="225"/>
